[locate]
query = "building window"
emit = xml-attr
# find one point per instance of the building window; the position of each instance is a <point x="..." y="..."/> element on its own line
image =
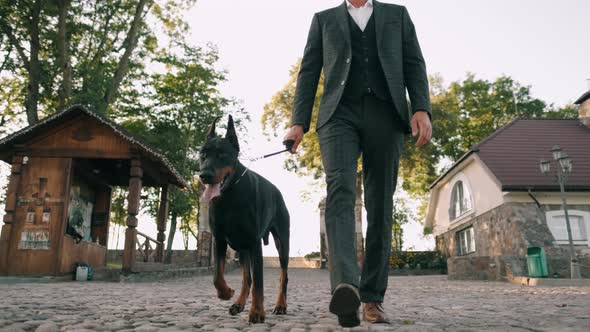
<point x="460" y="200"/>
<point x="579" y="222"/>
<point x="466" y="241"/>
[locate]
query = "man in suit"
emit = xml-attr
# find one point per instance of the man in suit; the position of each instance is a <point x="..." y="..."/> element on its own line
<point x="370" y="56"/>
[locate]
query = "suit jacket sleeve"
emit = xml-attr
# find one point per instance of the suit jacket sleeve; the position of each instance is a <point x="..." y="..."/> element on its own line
<point x="415" y="77"/>
<point x="308" y="78"/>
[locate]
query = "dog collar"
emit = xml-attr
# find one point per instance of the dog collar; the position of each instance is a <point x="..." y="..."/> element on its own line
<point x="241" y="176"/>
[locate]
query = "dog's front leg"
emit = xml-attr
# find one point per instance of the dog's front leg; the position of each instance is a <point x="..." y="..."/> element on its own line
<point x="240" y="303"/>
<point x="256" y="314"/>
<point x="223" y="290"/>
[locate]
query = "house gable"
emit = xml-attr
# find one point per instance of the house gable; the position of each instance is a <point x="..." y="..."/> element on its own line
<point x="77" y="132"/>
<point x="80" y="136"/>
<point x="484" y="194"/>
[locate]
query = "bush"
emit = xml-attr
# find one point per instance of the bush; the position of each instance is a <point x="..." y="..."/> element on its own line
<point x="312" y="255"/>
<point x="418" y="259"/>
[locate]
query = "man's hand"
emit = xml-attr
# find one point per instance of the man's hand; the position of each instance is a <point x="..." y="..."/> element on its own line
<point x="295" y="134"/>
<point x="421" y="125"/>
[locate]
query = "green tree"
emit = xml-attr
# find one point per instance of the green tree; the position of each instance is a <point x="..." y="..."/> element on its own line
<point x="463" y="114"/>
<point x="276" y="121"/>
<point x="401" y="216"/>
<point x="174" y="115"/>
<point x="129" y="60"/>
<point x="88" y="52"/>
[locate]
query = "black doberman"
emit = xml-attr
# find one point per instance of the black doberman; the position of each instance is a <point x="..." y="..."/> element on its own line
<point x="244" y="208"/>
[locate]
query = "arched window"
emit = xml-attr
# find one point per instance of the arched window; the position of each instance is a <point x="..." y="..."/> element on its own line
<point x="460" y="200"/>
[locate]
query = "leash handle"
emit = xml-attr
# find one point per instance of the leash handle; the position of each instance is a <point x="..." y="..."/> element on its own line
<point x="288" y="144"/>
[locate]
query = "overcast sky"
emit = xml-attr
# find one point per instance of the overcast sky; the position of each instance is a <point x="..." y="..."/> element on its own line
<point x="543" y="44"/>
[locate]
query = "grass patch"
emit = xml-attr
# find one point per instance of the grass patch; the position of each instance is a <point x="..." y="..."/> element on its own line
<point x="114" y="266"/>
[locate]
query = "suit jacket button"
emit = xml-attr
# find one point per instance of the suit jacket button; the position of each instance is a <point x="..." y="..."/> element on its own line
<point x="342" y="83"/>
<point x="347" y="60"/>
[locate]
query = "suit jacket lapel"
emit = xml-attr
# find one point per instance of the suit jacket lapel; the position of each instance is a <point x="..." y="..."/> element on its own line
<point x="379" y="17"/>
<point x="342" y="17"/>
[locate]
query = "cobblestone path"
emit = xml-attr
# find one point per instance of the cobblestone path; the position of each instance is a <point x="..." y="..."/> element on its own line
<point x="429" y="303"/>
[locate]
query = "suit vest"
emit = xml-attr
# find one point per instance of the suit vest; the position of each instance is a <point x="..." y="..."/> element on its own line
<point x="366" y="74"/>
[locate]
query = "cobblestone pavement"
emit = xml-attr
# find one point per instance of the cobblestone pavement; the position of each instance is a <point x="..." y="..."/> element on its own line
<point x="429" y="303"/>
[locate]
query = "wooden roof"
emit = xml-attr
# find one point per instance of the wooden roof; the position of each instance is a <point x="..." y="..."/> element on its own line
<point x="80" y="115"/>
<point x="513" y="152"/>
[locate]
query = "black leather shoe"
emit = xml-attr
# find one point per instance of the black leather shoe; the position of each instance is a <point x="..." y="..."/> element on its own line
<point x="345" y="304"/>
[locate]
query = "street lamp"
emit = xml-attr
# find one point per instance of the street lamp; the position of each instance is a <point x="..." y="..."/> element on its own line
<point x="556" y="150"/>
<point x="564" y="169"/>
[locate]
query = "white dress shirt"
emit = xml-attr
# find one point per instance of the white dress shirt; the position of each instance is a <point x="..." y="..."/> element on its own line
<point x="361" y="15"/>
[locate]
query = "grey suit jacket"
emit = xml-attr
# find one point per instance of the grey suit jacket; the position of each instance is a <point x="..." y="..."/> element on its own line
<point x="328" y="47"/>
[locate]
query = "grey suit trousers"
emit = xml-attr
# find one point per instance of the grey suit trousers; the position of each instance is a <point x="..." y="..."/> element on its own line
<point x="367" y="128"/>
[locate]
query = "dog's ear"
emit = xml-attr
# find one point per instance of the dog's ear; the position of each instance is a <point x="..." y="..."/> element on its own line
<point x="211" y="132"/>
<point x="231" y="133"/>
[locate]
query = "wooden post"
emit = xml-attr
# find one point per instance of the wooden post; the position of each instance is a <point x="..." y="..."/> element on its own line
<point x="132" y="210"/>
<point x="10" y="209"/>
<point x="162" y="218"/>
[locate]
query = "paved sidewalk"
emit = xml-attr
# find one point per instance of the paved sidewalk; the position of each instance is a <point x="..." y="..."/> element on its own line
<point x="428" y="303"/>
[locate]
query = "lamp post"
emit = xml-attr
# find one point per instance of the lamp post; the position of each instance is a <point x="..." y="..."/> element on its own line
<point x="564" y="168"/>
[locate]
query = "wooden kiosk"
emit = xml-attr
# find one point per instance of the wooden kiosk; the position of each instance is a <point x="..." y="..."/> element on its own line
<point x="59" y="194"/>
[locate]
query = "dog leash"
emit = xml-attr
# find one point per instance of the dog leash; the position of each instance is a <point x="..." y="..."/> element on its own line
<point x="288" y="145"/>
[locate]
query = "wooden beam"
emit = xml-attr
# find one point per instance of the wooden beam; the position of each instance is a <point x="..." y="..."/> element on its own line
<point x="11" y="191"/>
<point x="133" y="200"/>
<point x="61" y="238"/>
<point x="9" y="209"/>
<point x="162" y="218"/>
<point x="76" y="153"/>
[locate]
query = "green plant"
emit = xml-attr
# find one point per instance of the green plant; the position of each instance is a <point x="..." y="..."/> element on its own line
<point x="312" y="255"/>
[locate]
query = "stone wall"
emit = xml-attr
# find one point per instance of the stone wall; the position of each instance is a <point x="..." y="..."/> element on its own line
<point x="190" y="258"/>
<point x="179" y="257"/>
<point x="501" y="268"/>
<point x="502" y="237"/>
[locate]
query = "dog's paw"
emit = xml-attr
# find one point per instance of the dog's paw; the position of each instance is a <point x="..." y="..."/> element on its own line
<point x="225" y="294"/>
<point x="280" y="310"/>
<point x="236" y="308"/>
<point x="256" y="317"/>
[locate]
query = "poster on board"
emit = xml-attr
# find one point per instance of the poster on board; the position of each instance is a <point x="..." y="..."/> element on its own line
<point x="80" y="210"/>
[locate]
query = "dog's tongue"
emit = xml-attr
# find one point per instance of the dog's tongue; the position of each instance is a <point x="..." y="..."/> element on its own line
<point x="211" y="191"/>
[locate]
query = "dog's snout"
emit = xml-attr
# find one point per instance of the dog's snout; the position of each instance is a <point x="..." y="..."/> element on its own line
<point x="207" y="177"/>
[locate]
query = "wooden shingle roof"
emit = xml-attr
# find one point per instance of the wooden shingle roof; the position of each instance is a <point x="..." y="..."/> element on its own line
<point x="27" y="133"/>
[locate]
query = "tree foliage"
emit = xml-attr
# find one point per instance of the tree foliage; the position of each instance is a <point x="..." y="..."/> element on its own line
<point x="276" y="121"/>
<point x="89" y="52"/>
<point x="463" y="113"/>
<point x="401" y="216"/>
<point x="174" y="113"/>
<point x="127" y="59"/>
